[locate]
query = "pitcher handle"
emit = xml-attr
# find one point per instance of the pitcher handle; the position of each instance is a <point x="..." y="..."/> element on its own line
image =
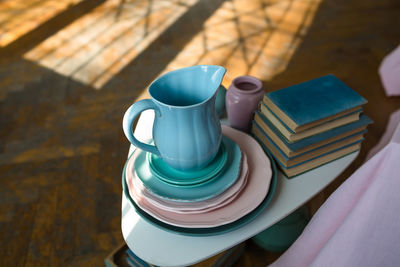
<point x="129" y="117"/>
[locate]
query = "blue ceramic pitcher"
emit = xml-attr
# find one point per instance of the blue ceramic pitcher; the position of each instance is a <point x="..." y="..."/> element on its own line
<point x="186" y="131"/>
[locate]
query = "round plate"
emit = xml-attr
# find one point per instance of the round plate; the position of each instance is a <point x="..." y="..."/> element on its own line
<point x="144" y="198"/>
<point x="252" y="195"/>
<point x="138" y="163"/>
<point x="212" y="230"/>
<point x="163" y="171"/>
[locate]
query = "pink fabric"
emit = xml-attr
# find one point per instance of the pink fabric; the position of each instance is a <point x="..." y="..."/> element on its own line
<point x="359" y="225"/>
<point x="392" y="134"/>
<point x="389" y="71"/>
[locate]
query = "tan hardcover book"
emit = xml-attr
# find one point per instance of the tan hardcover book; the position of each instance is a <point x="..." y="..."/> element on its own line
<point x="290" y="172"/>
<point x="293" y="137"/>
<point x="322" y="150"/>
<point x="318" y="101"/>
<point x="284" y="146"/>
<point x="299" y="128"/>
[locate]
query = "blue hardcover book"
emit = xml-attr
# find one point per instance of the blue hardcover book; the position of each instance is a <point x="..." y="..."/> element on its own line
<point x="309" y="143"/>
<point x="289" y="162"/>
<point x="311" y="103"/>
<point x="323" y="127"/>
<point x="315" y="163"/>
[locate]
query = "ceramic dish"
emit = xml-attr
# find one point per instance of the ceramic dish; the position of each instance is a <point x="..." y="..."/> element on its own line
<point x="144" y="198"/>
<point x="163" y="171"/>
<point x="138" y="167"/>
<point x="212" y="230"/>
<point x="252" y="195"/>
<point x="237" y="207"/>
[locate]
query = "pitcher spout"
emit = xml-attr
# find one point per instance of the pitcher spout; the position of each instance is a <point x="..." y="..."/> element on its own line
<point x="187" y="86"/>
<point x="215" y="73"/>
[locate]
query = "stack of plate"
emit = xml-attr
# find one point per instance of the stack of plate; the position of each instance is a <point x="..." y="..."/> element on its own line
<point x="231" y="191"/>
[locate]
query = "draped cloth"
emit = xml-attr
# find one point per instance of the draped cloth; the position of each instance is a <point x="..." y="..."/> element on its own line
<point x="389" y="71"/>
<point x="391" y="134"/>
<point x="359" y="224"/>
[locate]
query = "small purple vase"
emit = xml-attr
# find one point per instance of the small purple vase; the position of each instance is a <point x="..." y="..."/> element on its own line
<point x="242" y="99"/>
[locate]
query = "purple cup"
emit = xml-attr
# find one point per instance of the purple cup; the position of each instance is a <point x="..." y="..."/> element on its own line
<point x="242" y="99"/>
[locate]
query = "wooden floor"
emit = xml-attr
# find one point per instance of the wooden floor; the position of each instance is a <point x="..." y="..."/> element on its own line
<point x="69" y="69"/>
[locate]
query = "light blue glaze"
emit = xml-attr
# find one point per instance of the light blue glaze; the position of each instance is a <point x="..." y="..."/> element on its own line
<point x="209" y="231"/>
<point x="198" y="192"/>
<point x="316" y="99"/>
<point x="164" y="172"/>
<point x="186" y="131"/>
<point x="220" y="101"/>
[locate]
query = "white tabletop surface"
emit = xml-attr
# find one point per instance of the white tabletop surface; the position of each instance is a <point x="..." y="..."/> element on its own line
<point x="164" y="248"/>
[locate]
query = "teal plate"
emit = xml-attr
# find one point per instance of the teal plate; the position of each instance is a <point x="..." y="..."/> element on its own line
<point x="212" y="230"/>
<point x="197" y="192"/>
<point x="164" y="172"/>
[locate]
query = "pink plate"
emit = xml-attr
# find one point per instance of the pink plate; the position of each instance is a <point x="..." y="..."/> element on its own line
<point x="140" y="193"/>
<point x="252" y="195"/>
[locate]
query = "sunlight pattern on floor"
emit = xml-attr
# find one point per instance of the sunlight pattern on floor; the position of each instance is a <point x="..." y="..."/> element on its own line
<point x="18" y="17"/>
<point x="97" y="46"/>
<point x="250" y="37"/>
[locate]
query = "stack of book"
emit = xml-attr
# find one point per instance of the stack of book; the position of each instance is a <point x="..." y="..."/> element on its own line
<point x="309" y="124"/>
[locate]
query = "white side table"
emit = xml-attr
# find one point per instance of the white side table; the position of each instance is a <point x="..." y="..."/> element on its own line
<point x="165" y="248"/>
